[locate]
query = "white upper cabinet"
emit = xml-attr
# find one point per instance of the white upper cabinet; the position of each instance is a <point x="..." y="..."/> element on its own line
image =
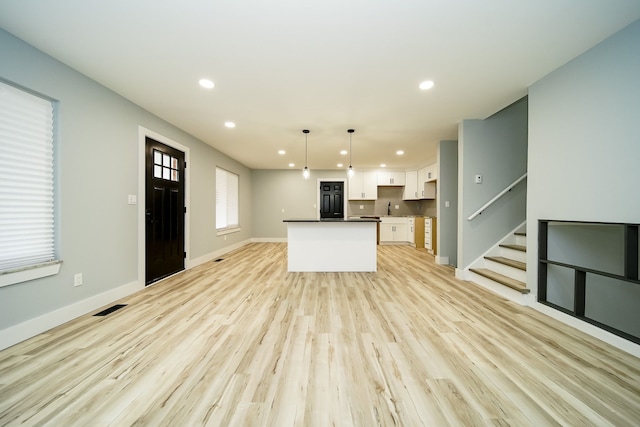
<point x="431" y="172"/>
<point x="411" y="186"/>
<point x="391" y="178"/>
<point x="363" y="186"/>
<point x="426" y="182"/>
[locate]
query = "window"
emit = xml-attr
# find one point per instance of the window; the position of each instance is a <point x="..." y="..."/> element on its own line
<point x="27" y="223"/>
<point x="226" y="201"/>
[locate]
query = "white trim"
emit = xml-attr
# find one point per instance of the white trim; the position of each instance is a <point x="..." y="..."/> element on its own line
<point x="216" y="254"/>
<point x="25" y="274"/>
<point x="443" y="260"/>
<point x="142" y="134"/>
<point x="269" y="239"/>
<point x="32" y="327"/>
<point x="228" y="231"/>
<point x="588" y="328"/>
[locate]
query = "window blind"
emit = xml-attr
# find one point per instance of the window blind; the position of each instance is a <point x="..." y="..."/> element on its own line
<point x="26" y="179"/>
<point x="226" y="200"/>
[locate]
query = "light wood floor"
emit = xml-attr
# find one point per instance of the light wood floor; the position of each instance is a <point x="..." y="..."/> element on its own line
<point x="242" y="342"/>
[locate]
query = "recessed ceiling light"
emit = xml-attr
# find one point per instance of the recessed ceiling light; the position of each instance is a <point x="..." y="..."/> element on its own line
<point x="281" y="152"/>
<point x="339" y="165"/>
<point x="206" y="83"/>
<point x="399" y="152"/>
<point x="343" y="152"/>
<point x="230" y="124"/>
<point x="382" y="165"/>
<point x="291" y="165"/>
<point x="427" y="84"/>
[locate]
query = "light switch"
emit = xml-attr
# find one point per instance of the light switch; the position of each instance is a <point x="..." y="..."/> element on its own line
<point x="361" y="206"/>
<point x="478" y="179"/>
<point x="446" y="204"/>
<point x="132" y="199"/>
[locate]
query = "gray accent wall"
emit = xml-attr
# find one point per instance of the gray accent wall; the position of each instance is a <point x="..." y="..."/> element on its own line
<point x="584" y="156"/>
<point x="285" y="194"/>
<point x="97" y="164"/>
<point x="448" y="192"/>
<point x="495" y="148"/>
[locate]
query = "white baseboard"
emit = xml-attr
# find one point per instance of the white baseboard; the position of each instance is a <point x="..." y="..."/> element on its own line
<point x="269" y="240"/>
<point x="32" y="327"/>
<point x="588" y="328"/>
<point x="444" y="260"/>
<point x="215" y="254"/>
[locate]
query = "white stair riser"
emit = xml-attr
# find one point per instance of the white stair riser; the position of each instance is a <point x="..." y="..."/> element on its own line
<point x="521" y="240"/>
<point x="498" y="288"/>
<point x="514" y="273"/>
<point x="513" y="254"/>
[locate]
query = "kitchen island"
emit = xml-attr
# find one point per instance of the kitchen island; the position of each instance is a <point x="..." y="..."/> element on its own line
<point x="332" y="245"/>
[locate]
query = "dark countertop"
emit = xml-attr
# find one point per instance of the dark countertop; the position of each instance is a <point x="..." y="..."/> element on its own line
<point x="332" y="220"/>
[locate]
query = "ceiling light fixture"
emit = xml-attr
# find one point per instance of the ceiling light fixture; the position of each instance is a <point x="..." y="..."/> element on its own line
<point x="230" y="125"/>
<point x="340" y="165"/>
<point x="350" y="171"/>
<point x="206" y="83"/>
<point x="291" y="165"/>
<point x="399" y="152"/>
<point x="343" y="152"/>
<point x="305" y="172"/>
<point x="427" y="84"/>
<point x="281" y="152"/>
<point x="382" y="165"/>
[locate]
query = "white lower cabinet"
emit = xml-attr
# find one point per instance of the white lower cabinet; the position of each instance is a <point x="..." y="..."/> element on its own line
<point x="396" y="230"/>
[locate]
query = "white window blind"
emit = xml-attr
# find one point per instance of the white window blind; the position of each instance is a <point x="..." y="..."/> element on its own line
<point x="226" y="200"/>
<point x="26" y="179"/>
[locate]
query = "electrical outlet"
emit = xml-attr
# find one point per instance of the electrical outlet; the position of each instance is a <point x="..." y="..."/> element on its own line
<point x="132" y="199"/>
<point x="77" y="279"/>
<point x="361" y="206"/>
<point x="397" y="206"/>
<point x="478" y="179"/>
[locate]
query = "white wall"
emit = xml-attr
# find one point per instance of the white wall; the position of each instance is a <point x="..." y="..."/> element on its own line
<point x="98" y="168"/>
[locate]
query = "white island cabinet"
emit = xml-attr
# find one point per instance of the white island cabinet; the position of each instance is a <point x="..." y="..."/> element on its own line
<point x="332" y="245"/>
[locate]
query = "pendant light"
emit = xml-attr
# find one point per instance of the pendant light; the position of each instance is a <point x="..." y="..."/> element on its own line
<point x="305" y="172"/>
<point x="350" y="171"/>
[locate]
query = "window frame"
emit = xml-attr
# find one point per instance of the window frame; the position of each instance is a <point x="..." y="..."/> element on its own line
<point x="233" y="228"/>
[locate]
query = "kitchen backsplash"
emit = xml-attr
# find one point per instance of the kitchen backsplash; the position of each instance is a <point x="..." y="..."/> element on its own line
<point x="394" y="195"/>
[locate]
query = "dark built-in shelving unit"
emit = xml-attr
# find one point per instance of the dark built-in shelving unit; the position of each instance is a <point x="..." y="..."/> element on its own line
<point x="580" y="272"/>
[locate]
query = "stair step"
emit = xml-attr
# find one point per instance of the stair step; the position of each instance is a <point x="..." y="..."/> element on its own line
<point x="502" y="279"/>
<point x="521" y="233"/>
<point x="520" y="248"/>
<point x="510" y="262"/>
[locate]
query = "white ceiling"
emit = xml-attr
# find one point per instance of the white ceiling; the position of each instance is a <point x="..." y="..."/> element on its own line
<point x="281" y="66"/>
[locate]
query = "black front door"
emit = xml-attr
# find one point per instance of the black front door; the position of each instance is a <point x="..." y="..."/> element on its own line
<point x="164" y="210"/>
<point x="332" y="199"/>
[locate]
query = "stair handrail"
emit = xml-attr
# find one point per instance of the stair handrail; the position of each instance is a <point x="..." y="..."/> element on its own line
<point x="492" y="201"/>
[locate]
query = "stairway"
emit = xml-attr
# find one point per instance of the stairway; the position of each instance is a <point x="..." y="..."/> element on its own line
<point x="503" y="269"/>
